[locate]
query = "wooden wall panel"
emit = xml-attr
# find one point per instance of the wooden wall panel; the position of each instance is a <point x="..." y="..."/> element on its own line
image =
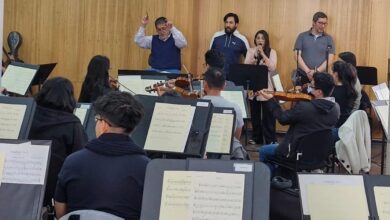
<point x="70" y="32"/>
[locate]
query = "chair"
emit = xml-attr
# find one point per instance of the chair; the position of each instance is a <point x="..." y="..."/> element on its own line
<point x="90" y="215"/>
<point x="367" y="75"/>
<point x="312" y="152"/>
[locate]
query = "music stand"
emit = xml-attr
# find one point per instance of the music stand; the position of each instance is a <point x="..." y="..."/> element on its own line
<point x="252" y="77"/>
<point x="42" y="74"/>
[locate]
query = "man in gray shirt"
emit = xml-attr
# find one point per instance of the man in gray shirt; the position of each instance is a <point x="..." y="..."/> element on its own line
<point x="213" y="85"/>
<point x="314" y="49"/>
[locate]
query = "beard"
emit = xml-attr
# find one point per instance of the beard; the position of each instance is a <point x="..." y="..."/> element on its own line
<point x="230" y="30"/>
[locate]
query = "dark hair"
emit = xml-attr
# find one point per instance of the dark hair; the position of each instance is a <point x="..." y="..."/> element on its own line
<point x="120" y="109"/>
<point x="160" y="20"/>
<point x="319" y="15"/>
<point x="267" y="46"/>
<point x="57" y="93"/>
<point x="97" y="79"/>
<point x="214" y="78"/>
<point x="214" y="58"/>
<point x="324" y="82"/>
<point x="230" y="14"/>
<point x="348" y="57"/>
<point x="347" y="78"/>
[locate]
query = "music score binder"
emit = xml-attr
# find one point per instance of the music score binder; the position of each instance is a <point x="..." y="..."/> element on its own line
<point x="84" y="119"/>
<point x="43" y="73"/>
<point x="28" y="115"/>
<point x="197" y="137"/>
<point x="256" y="189"/>
<point x="369" y="182"/>
<point x="23" y="201"/>
<point x="18" y="77"/>
<point x="220" y="110"/>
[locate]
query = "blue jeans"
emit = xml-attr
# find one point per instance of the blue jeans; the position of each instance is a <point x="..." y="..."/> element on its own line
<point x="176" y="71"/>
<point x="266" y="151"/>
<point x="335" y="135"/>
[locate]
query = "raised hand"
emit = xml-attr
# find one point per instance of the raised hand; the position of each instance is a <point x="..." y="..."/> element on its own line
<point x="145" y="20"/>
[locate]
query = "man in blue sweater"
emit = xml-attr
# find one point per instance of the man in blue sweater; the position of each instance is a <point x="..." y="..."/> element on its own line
<point x="230" y="42"/>
<point x="165" y="46"/>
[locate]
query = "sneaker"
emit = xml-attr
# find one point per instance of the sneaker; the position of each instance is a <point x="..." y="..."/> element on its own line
<point x="251" y="141"/>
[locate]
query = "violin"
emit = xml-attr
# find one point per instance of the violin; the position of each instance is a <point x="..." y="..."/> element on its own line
<point x="284" y="96"/>
<point x="162" y="86"/>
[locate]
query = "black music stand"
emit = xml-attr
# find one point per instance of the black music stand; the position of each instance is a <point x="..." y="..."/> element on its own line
<point x="256" y="191"/>
<point x="197" y="137"/>
<point x="42" y="74"/>
<point x="252" y="77"/>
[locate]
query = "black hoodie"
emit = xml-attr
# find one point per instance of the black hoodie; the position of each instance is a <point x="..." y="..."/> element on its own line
<point x="304" y="118"/>
<point x="67" y="135"/>
<point x="107" y="175"/>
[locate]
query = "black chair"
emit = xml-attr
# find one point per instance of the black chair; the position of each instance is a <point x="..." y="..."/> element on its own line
<point x="312" y="152"/>
<point x="367" y="75"/>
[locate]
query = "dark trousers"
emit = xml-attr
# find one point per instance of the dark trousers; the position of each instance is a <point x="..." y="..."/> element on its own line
<point x="263" y="123"/>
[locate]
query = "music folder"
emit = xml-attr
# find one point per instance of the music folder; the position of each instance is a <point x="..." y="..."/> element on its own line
<point x="156" y="138"/>
<point x="43" y="73"/>
<point x="18" y="77"/>
<point x="254" y="202"/>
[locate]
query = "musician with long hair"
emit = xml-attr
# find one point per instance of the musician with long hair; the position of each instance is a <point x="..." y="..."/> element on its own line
<point x="263" y="122"/>
<point x="97" y="80"/>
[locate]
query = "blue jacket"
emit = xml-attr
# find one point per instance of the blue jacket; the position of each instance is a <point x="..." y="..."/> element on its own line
<point x="232" y="46"/>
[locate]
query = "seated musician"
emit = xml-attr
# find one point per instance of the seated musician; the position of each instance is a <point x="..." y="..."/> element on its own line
<point x="108" y="174"/>
<point x="54" y="120"/>
<point x="305" y="117"/>
<point x="214" y="83"/>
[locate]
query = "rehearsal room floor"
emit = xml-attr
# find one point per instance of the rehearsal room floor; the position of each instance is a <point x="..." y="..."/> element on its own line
<point x="376" y="150"/>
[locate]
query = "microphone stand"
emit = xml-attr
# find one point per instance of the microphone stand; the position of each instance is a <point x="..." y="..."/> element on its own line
<point x="327" y="57"/>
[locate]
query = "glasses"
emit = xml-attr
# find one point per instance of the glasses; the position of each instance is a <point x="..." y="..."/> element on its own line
<point x="322" y="23"/>
<point x="97" y="118"/>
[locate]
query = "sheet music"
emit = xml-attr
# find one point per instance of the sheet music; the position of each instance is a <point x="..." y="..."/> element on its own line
<point x="382" y="200"/>
<point x="24" y="163"/>
<point x="202" y="195"/>
<point x="11" y="119"/>
<point x="329" y="201"/>
<point x="236" y="97"/>
<point x="136" y="84"/>
<point x="383" y="113"/>
<point x="81" y="113"/>
<point x="220" y="134"/>
<point x="381" y="91"/>
<point x="169" y="127"/>
<point x="17" y="79"/>
<point x="277" y="83"/>
<point x="2" y="160"/>
<point x="341" y="180"/>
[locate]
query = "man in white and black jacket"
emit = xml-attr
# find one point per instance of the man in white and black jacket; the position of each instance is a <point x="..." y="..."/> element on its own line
<point x="230" y="42"/>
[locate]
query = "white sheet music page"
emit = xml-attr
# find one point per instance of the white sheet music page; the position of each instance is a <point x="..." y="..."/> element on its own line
<point x="11" y="119"/>
<point x="136" y="84"/>
<point x="24" y="163"/>
<point x="382" y="200"/>
<point x="220" y="134"/>
<point x="169" y="127"/>
<point x="202" y="195"/>
<point x="383" y="113"/>
<point x="236" y="97"/>
<point x="381" y="91"/>
<point x="81" y="113"/>
<point x="17" y="79"/>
